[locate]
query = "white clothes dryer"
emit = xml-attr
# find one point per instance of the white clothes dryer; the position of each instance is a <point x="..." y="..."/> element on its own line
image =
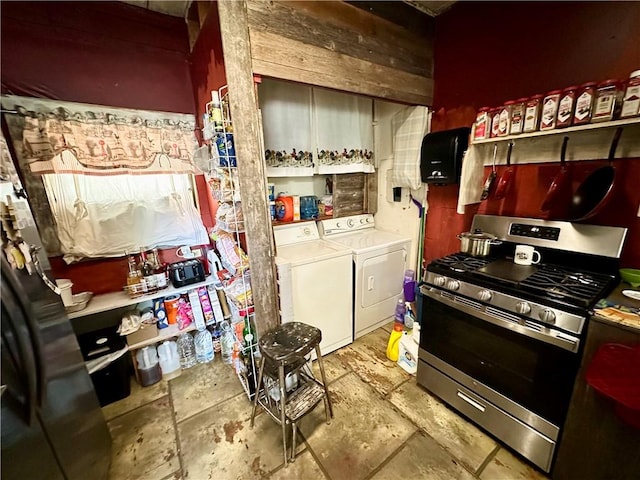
<point x="380" y="261"/>
<point x="314" y="283"/>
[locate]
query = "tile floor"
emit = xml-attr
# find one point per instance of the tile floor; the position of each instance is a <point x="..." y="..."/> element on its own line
<point x="196" y="427"/>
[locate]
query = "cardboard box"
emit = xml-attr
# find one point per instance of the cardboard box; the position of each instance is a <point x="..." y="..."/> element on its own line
<point x="144" y="333"/>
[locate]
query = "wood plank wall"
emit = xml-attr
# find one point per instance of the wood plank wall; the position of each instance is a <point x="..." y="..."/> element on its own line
<point x="337" y="45"/>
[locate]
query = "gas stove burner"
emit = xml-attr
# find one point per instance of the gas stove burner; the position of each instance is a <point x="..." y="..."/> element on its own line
<point x="461" y="262"/>
<point x="567" y="284"/>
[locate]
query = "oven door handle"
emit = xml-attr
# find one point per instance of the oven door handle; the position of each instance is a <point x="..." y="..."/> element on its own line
<point x="561" y="339"/>
<point x="471" y="401"/>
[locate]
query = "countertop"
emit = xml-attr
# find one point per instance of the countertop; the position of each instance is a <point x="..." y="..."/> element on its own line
<point x="627" y="319"/>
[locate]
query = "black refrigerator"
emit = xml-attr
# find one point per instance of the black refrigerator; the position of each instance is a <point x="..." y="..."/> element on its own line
<point x="52" y="425"/>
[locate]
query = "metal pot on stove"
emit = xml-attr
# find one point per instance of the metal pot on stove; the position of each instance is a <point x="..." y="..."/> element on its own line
<point x="477" y="243"/>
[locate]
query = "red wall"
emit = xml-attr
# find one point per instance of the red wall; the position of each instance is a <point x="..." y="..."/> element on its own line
<point x="207" y="62"/>
<point x="485" y="56"/>
<point x="106" y="53"/>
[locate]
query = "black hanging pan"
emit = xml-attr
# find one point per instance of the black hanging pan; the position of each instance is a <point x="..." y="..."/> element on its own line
<point x="595" y="191"/>
<point x="491" y="178"/>
<point x="561" y="182"/>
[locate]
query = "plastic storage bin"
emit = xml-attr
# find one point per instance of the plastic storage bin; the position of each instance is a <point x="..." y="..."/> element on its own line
<point x="111" y="382"/>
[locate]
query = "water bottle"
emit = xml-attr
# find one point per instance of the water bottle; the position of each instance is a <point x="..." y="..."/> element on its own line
<point x="226" y="342"/>
<point x="400" y="311"/>
<point x="186" y="350"/>
<point x="204" y="346"/>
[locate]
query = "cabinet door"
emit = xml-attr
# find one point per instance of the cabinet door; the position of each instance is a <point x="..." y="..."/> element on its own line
<point x="596" y="443"/>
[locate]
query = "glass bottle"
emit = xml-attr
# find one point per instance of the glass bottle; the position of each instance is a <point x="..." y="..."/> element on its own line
<point x="186" y="350"/>
<point x="133" y="277"/>
<point x="247" y="332"/>
<point x="204" y="346"/>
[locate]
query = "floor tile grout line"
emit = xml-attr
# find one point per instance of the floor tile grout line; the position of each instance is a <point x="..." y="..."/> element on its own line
<point x="488" y="460"/>
<point x="392" y="455"/>
<point x="175" y="428"/>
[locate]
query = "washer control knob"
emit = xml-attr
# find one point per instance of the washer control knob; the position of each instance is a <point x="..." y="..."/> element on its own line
<point x="363" y="220"/>
<point x="350" y="222"/>
<point x="485" y="295"/>
<point x="338" y="225"/>
<point x="306" y="231"/>
<point x="369" y="219"/>
<point x="453" y="285"/>
<point x="439" y="281"/>
<point x="523" y="308"/>
<point x="547" y="316"/>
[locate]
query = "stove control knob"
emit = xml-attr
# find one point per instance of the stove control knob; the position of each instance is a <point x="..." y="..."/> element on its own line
<point x="485" y="295"/>
<point x="547" y="316"/>
<point x="439" y="281"/>
<point x="523" y="308"/>
<point x="453" y="285"/>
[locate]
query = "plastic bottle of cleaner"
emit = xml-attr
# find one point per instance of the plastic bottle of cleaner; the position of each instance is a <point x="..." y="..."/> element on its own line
<point x="408" y="353"/>
<point x="409" y="316"/>
<point x="400" y="311"/>
<point x="169" y="360"/>
<point x="393" y="347"/>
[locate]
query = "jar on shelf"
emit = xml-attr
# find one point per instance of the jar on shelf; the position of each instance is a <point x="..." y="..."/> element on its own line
<point x="495" y="121"/>
<point x="504" y="123"/>
<point x="631" y="100"/>
<point x="566" y="107"/>
<point x="606" y="102"/>
<point x="550" y="110"/>
<point x="482" y="126"/>
<point x="584" y="103"/>
<point x="517" y="116"/>
<point x="532" y="110"/>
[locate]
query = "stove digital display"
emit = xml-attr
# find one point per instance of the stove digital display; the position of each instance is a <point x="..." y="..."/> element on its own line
<point x="535" y="231"/>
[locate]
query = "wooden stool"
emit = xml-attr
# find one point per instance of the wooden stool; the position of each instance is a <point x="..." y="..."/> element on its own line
<point x="283" y="351"/>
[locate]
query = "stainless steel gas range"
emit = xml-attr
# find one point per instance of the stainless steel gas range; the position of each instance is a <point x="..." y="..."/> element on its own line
<point x="501" y="342"/>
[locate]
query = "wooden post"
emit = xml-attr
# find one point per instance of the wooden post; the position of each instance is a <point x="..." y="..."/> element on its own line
<point x="251" y="165"/>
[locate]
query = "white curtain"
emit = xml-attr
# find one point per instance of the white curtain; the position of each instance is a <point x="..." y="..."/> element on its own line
<point x="106" y="216"/>
<point x="344" y="132"/>
<point x="286" y="114"/>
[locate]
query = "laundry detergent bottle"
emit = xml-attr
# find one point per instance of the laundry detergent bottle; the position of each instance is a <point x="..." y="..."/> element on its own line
<point x="393" y="347"/>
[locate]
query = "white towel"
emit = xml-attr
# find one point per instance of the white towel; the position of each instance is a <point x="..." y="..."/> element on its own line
<point x="471" y="179"/>
<point x="410" y="125"/>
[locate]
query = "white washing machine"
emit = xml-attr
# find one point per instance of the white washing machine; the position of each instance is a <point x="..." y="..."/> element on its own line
<point x="314" y="282"/>
<point x="380" y="261"/>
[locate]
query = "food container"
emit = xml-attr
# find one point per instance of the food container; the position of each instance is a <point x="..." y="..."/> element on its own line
<point x="631" y="100"/>
<point x="517" y="116"/>
<point x="504" y="122"/>
<point x="532" y="110"/>
<point x="584" y="103"/>
<point x="477" y="243"/>
<point x="566" y="106"/>
<point x="495" y="122"/>
<point x="550" y="110"/>
<point x="482" y="127"/>
<point x="606" y="101"/>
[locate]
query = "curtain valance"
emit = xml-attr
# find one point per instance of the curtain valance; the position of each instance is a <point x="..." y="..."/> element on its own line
<point x="65" y="137"/>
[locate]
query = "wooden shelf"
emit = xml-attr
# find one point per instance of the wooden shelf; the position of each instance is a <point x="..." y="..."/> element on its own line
<point x="561" y="131"/>
<point x="323" y="217"/>
<point x="111" y="301"/>
<point x="586" y="142"/>
<point x="163" y="334"/>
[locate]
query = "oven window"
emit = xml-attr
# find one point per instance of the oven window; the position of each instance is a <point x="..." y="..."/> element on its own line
<point x="532" y="373"/>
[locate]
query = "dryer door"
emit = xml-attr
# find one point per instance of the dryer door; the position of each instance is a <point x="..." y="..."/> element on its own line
<point x="382" y="277"/>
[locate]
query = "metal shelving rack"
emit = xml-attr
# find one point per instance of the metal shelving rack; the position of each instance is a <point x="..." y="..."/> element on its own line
<point x="223" y="168"/>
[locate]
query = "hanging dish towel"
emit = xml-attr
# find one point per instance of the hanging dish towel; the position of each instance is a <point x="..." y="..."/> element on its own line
<point x="409" y="126"/>
<point x="471" y="179"/>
